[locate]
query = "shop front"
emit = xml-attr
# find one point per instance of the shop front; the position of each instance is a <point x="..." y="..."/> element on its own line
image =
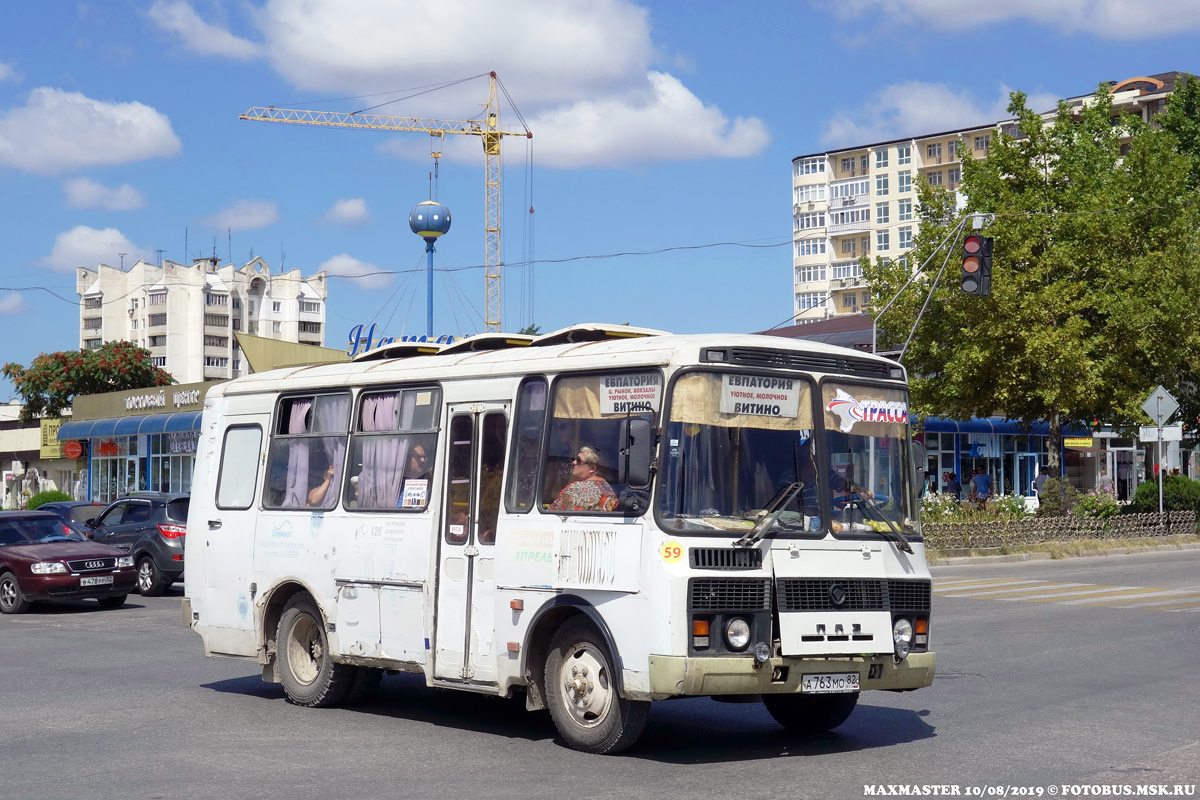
<point x="136" y="441"/>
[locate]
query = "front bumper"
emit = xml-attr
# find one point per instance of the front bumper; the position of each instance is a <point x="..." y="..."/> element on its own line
<point x="671" y="676"/>
<point x="62" y="586"/>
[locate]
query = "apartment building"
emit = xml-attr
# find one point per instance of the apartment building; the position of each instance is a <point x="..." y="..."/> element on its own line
<point x="186" y="314"/>
<point x="861" y="201"/>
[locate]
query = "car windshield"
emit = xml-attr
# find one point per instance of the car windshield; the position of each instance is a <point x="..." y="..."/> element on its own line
<point x="736" y="442"/>
<point x="36" y="530"/>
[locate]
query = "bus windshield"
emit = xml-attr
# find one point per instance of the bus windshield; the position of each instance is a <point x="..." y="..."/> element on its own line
<point x="734" y="442"/>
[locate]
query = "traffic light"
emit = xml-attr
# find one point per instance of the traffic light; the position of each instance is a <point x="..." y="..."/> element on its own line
<point x="976" y="275"/>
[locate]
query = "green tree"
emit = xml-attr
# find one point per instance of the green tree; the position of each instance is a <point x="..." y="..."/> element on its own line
<point x="54" y="379"/>
<point x="1094" y="281"/>
<point x="530" y="330"/>
<point x="1182" y="121"/>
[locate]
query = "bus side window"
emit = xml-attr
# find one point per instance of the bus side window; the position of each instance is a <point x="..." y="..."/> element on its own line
<point x="238" y="476"/>
<point x="459" y="453"/>
<point x="525" y="464"/>
<point x="392" y="451"/>
<point x="495" y="436"/>
<point x="308" y="452"/>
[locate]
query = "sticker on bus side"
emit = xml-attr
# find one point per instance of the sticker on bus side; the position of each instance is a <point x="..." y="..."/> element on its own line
<point x="760" y="396"/>
<point x="672" y="552"/>
<point x="415" y="492"/>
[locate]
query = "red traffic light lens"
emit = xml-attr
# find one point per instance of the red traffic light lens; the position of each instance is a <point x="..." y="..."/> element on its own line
<point x="971" y="264"/>
<point x="972" y="244"/>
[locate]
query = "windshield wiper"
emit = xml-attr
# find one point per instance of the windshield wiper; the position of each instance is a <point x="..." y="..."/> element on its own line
<point x="774" y="509"/>
<point x="868" y="501"/>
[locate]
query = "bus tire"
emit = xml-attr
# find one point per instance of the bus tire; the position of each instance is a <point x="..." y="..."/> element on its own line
<point x="809" y="714"/>
<point x="581" y="691"/>
<point x="309" y="675"/>
<point x="363" y="685"/>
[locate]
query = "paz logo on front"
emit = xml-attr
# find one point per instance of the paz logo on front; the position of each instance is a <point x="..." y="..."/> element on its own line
<point x="849" y="411"/>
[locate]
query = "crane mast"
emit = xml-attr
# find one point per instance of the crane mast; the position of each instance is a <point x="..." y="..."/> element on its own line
<point x="489" y="133"/>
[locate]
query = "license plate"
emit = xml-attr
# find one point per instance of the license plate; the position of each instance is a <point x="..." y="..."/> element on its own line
<point x="829" y="683"/>
<point x="96" y="580"/>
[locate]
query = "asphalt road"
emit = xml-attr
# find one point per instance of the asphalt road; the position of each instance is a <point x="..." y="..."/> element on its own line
<point x="1050" y="673"/>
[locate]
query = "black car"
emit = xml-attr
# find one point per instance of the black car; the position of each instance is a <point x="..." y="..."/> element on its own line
<point x="150" y="527"/>
<point x="74" y="511"/>
<point x="44" y="558"/>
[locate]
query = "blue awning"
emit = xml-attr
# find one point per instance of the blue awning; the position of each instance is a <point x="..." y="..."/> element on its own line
<point x="179" y="422"/>
<point x="988" y="425"/>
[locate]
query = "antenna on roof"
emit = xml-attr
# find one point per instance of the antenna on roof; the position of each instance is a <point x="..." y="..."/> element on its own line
<point x="122" y="255"/>
<point x="159" y="254"/>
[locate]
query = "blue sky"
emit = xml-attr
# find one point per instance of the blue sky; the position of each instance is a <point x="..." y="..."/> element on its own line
<point x="656" y="125"/>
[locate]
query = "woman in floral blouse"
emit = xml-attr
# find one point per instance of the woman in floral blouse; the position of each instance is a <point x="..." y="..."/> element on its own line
<point x="587" y="491"/>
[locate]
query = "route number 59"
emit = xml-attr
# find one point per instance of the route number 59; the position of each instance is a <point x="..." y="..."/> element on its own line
<point x="672" y="552"/>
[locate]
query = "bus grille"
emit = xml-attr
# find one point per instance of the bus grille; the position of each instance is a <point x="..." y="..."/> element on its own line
<point x="724" y="558"/>
<point x="819" y="594"/>
<point x="729" y="594"/>
<point x="909" y="595"/>
<point x="813" y="362"/>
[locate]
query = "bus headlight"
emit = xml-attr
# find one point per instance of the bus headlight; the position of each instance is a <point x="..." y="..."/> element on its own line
<point x="902" y="636"/>
<point x="737" y="634"/>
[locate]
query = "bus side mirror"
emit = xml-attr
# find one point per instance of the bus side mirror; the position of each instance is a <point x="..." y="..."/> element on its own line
<point x="920" y="460"/>
<point x="637" y="445"/>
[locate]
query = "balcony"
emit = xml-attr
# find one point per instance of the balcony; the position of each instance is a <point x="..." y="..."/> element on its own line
<point x="842" y="228"/>
<point x="852" y="201"/>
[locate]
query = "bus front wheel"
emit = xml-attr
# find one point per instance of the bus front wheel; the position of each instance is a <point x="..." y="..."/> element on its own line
<point x="810" y="714"/>
<point x="309" y="675"/>
<point x="581" y="691"/>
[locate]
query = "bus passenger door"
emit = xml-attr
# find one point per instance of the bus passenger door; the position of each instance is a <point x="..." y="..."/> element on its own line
<point x="465" y="647"/>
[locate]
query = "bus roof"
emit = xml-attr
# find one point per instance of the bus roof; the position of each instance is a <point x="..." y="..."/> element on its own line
<point x="642" y="349"/>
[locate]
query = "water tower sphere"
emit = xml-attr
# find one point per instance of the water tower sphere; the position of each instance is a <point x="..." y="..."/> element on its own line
<point x="429" y="220"/>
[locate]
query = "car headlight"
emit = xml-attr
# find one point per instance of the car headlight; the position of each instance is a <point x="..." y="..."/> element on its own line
<point x="902" y="636"/>
<point x="737" y="634"/>
<point x="125" y="561"/>
<point x="48" y="567"/>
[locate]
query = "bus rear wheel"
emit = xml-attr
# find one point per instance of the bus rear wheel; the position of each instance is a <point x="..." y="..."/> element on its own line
<point x="309" y="675"/>
<point x="810" y="714"/>
<point x="581" y="691"/>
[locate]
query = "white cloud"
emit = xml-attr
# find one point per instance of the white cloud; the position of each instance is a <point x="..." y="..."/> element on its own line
<point x="197" y="35"/>
<point x="359" y="273"/>
<point x="12" y="304"/>
<point x="86" y="247"/>
<point x="666" y="122"/>
<point x="345" y="213"/>
<point x="582" y="73"/>
<point x="86" y="193"/>
<point x="7" y="73"/>
<point x="1106" y="19"/>
<point x="57" y="131"/>
<point x="244" y="215"/>
<point x="914" y="108"/>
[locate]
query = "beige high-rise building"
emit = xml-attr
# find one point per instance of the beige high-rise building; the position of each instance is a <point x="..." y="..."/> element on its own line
<point x="861" y="201"/>
<point x="186" y="315"/>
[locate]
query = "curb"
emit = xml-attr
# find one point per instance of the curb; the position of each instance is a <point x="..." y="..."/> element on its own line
<point x="1017" y="557"/>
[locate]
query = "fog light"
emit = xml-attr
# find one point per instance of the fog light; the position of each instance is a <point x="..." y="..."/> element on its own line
<point x="737" y="633"/>
<point x="902" y="635"/>
<point x="762" y="652"/>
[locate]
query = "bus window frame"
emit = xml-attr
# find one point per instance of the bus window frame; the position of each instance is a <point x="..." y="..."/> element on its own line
<point x="544" y="456"/>
<point x="221" y="467"/>
<point x="356" y="420"/>
<point x="514" y="436"/>
<point x="827" y="497"/>
<point x="818" y="437"/>
<point x="277" y="419"/>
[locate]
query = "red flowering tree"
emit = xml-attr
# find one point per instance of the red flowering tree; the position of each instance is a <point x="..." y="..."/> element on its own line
<point x="54" y="379"/>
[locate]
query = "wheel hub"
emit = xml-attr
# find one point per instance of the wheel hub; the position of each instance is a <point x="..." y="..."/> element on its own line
<point x="586" y="687"/>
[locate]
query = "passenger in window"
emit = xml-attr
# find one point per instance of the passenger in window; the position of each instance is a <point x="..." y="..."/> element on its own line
<point x="588" y="491"/>
<point x="418" y="463"/>
<point x="316" y="495"/>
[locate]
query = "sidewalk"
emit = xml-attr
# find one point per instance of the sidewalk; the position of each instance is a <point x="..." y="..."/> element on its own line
<point x="1007" y="559"/>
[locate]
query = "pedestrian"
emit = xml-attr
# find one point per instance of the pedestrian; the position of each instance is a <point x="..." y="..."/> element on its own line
<point x="981" y="486"/>
<point x="953" y="487"/>
<point x="1039" y="482"/>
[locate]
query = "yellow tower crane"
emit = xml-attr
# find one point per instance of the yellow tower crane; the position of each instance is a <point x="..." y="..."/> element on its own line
<point x="487" y="130"/>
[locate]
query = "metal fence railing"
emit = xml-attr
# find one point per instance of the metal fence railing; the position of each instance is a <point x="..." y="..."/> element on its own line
<point x="1038" y="530"/>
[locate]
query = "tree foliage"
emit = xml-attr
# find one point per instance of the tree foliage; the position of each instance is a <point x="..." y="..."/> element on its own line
<point x="1095" y="275"/>
<point x="54" y="379"/>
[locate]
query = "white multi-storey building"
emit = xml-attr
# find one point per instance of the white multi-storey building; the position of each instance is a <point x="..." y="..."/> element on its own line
<point x="861" y="201"/>
<point x="186" y="315"/>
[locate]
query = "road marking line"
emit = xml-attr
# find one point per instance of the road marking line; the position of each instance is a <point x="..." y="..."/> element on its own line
<point x="1161" y="598"/>
<point x="1123" y="593"/>
<point x="939" y="589"/>
<point x="1017" y="591"/>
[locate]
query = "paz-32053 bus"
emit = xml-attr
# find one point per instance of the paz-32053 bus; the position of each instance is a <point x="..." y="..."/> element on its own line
<point x="599" y="518"/>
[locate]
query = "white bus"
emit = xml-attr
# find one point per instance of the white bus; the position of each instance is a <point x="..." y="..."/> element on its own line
<point x="598" y="518"/>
